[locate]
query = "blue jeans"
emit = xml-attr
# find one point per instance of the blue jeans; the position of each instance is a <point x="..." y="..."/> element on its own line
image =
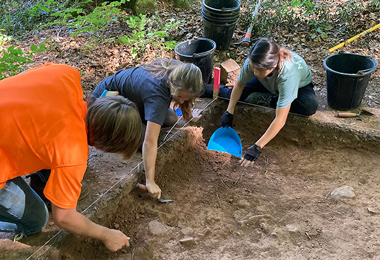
<point x="21" y="209"/>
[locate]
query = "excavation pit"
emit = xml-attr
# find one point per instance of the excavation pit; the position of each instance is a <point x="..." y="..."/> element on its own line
<point x="280" y="208"/>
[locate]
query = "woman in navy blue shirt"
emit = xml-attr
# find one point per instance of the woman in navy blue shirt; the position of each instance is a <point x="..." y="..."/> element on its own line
<point x="152" y="87"/>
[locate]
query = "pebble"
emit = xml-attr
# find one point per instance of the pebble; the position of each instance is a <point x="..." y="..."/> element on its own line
<point x="374" y="210"/>
<point x="363" y="180"/>
<point x="187" y="241"/>
<point x="187" y="231"/>
<point x="264" y="226"/>
<point x="292" y="228"/>
<point x="343" y="192"/>
<point x="274" y="233"/>
<point x="156" y="227"/>
<point x="205" y="232"/>
<point x="244" y="203"/>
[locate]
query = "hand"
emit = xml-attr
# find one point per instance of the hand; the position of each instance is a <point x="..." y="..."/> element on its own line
<point x="154" y="190"/>
<point x="251" y="155"/>
<point x="227" y="119"/>
<point x="115" y="240"/>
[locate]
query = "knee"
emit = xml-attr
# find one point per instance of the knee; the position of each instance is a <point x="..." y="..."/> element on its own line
<point x="170" y="118"/>
<point x="259" y="98"/>
<point x="43" y="219"/>
<point x="39" y="220"/>
<point x="253" y="98"/>
<point x="310" y="109"/>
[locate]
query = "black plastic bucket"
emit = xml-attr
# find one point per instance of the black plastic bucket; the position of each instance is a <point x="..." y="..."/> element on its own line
<point x="220" y="33"/>
<point x="199" y="52"/>
<point x="219" y="20"/>
<point x="347" y="76"/>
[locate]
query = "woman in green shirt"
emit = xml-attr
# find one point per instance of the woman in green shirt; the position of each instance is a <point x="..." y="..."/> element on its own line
<point x="277" y="76"/>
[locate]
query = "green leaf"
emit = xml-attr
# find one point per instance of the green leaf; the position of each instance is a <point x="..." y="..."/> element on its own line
<point x="41" y="48"/>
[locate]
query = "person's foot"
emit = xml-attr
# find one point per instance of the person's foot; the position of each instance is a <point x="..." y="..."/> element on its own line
<point x="18" y="236"/>
<point x="224" y="91"/>
<point x="208" y="91"/>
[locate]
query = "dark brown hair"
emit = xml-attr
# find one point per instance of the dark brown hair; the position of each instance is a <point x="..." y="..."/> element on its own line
<point x="265" y="54"/>
<point x="114" y="125"/>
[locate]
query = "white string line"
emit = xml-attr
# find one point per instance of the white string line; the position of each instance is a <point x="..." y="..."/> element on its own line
<point x="292" y="113"/>
<point x="102" y="195"/>
<point x="45" y="245"/>
<point x="188" y="122"/>
<point x="172" y="127"/>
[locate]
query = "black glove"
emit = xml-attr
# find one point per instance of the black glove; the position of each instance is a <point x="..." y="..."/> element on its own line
<point x="227" y="119"/>
<point x="252" y="153"/>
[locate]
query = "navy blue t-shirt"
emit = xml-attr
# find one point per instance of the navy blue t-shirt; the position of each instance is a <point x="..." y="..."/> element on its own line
<point x="151" y="96"/>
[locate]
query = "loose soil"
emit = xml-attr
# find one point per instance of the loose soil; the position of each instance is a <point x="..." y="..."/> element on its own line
<point x="278" y="209"/>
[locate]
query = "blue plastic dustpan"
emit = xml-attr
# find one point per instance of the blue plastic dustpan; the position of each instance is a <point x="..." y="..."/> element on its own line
<point x="226" y="140"/>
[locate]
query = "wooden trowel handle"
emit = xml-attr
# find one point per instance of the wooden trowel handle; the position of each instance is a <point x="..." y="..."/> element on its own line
<point x="141" y="187"/>
<point x="347" y="114"/>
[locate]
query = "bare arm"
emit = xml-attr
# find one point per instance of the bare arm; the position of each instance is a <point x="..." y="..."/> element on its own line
<point x="235" y="96"/>
<point x="150" y="156"/>
<point x="275" y="127"/>
<point x="76" y="223"/>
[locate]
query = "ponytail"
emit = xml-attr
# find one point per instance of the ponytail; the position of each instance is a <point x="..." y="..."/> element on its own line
<point x="283" y="55"/>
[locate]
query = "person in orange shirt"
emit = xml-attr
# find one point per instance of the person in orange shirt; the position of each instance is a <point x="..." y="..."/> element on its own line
<point x="45" y="124"/>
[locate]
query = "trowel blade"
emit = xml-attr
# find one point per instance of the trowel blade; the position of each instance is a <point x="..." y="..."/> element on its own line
<point x="164" y="201"/>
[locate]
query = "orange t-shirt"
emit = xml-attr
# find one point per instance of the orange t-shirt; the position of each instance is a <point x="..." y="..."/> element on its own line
<point x="42" y="126"/>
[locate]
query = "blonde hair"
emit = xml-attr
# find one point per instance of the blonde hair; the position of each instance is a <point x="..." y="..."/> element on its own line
<point x="185" y="77"/>
<point x="114" y="125"/>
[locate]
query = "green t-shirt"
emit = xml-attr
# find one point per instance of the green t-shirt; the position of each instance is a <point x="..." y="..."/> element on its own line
<point x="294" y="74"/>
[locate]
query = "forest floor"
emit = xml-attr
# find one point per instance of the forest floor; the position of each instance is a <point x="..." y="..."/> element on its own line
<point x="105" y="59"/>
<point x="281" y="208"/>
